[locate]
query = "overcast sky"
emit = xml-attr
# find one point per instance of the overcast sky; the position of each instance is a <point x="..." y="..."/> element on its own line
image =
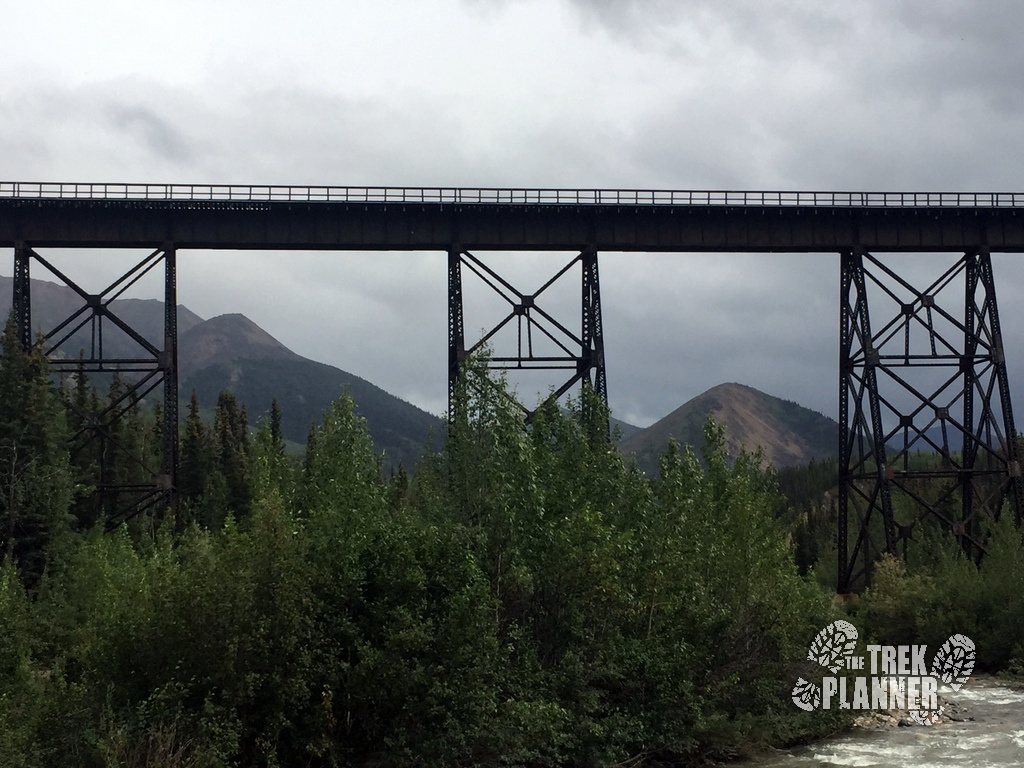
<point x="700" y="94"/>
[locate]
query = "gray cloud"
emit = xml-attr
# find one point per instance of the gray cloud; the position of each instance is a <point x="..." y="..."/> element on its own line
<point x="156" y="134"/>
<point x="703" y="94"/>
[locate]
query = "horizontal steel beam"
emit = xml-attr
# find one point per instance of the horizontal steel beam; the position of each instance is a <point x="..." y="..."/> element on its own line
<point x="667" y="227"/>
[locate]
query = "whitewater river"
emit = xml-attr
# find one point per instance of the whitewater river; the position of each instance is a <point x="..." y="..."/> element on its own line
<point x="994" y="738"/>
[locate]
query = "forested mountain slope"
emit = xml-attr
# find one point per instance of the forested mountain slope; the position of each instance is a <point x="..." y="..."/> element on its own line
<point x="232" y="353"/>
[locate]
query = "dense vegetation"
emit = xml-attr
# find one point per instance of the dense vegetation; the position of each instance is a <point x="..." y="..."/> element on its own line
<point x="526" y="597"/>
<point x="938" y="590"/>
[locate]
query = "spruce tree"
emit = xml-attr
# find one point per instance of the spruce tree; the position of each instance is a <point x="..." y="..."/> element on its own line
<point x="195" y="464"/>
<point x="276" y="436"/>
<point x="231" y="441"/>
<point x="272" y="470"/>
<point x="36" y="485"/>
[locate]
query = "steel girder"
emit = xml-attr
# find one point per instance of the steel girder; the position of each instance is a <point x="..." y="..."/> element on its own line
<point x="511" y="221"/>
<point x="929" y="382"/>
<point x="580" y="353"/>
<point x="142" y="373"/>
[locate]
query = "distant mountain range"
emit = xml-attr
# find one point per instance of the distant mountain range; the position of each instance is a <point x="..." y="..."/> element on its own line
<point x="231" y="352"/>
<point x="53" y="303"/>
<point x="789" y="434"/>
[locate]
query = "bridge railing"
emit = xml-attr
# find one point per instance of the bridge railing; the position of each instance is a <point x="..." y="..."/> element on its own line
<point x="497" y="195"/>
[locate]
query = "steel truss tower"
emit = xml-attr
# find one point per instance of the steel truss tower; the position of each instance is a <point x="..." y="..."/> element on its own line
<point x="582" y="353"/>
<point x="926" y="427"/>
<point x="76" y="346"/>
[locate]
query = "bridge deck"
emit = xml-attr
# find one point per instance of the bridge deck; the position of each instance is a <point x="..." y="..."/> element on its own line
<point x="386" y="218"/>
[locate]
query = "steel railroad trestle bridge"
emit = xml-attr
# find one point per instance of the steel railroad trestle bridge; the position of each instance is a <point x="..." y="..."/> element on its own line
<point x="928" y="374"/>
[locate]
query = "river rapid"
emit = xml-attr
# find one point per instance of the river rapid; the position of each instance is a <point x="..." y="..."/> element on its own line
<point x="994" y="738"/>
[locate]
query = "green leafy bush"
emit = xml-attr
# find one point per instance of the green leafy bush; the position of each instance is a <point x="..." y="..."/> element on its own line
<point x="526" y="598"/>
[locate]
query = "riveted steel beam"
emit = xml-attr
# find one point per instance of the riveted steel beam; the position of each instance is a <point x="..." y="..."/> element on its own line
<point x="926" y="424"/>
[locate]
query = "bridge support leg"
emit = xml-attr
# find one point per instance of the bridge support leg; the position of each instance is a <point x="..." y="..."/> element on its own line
<point x="591" y="368"/>
<point x="926" y="426"/>
<point x="168" y="365"/>
<point x="456" y="326"/>
<point x="990" y="449"/>
<point x="22" y="299"/>
<point x="543" y="343"/>
<point x="127" y="483"/>
<point x="864" y="491"/>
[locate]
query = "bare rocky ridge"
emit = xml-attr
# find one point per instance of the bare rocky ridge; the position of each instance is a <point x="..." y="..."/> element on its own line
<point x="788" y="434"/>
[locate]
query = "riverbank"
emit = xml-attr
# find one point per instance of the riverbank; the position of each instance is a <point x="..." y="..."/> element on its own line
<point x="950" y="711"/>
<point x="987" y="729"/>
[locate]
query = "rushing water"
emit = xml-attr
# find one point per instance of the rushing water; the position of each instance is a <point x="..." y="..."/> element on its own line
<point x="993" y="739"/>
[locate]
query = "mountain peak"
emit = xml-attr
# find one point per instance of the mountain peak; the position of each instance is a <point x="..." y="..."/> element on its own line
<point x="730" y="390"/>
<point x="789" y="434"/>
<point x="227" y="337"/>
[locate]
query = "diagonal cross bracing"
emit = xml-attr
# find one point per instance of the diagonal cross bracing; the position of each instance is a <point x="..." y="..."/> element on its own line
<point x="580" y="352"/>
<point x="80" y="345"/>
<point x="926" y="383"/>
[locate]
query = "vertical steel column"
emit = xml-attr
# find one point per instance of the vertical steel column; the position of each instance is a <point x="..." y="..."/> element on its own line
<point x="864" y="474"/>
<point x="592" y="336"/>
<point x="989" y="335"/>
<point x="22" y="299"/>
<point x="845" y="453"/>
<point x="169" y="367"/>
<point x="593" y="331"/>
<point x="967" y="532"/>
<point x="456" y="326"/>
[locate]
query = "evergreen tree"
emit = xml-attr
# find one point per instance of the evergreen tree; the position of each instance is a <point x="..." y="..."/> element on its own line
<point x="232" y="447"/>
<point x="36" y="485"/>
<point x="196" y="462"/>
<point x="272" y="470"/>
<point x="83" y="407"/>
<point x="276" y="436"/>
